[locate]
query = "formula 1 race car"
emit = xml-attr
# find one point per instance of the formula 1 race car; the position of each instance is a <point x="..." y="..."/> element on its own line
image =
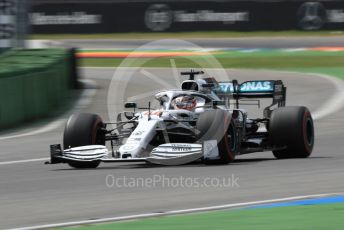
<point x="201" y="121"/>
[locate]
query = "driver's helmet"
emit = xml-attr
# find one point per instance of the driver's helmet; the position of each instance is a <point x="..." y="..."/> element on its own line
<point x="185" y="102"/>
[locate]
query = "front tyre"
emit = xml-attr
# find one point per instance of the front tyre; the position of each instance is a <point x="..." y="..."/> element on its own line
<point x="80" y="130"/>
<point x="292" y="130"/>
<point x="218" y="125"/>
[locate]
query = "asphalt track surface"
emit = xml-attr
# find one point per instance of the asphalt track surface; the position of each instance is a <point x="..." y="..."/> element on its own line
<point x="249" y="42"/>
<point x="32" y="193"/>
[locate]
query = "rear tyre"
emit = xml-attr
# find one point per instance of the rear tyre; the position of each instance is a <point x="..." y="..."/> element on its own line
<point x="83" y="129"/>
<point x="292" y="130"/>
<point x="218" y="125"/>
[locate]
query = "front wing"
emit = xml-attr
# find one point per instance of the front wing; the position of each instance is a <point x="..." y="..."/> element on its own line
<point x="165" y="154"/>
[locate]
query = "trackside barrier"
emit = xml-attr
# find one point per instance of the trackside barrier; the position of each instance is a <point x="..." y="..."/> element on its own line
<point x="111" y="16"/>
<point x="33" y="83"/>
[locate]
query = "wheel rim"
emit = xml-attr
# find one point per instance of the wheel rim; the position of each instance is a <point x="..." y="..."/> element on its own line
<point x="231" y="135"/>
<point x="309" y="131"/>
<point x="97" y="137"/>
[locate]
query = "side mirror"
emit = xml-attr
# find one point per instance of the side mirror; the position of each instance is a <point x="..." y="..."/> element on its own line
<point x="129" y="105"/>
<point x="129" y="115"/>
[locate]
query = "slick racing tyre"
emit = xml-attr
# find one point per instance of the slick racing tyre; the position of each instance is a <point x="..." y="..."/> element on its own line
<point x="291" y="129"/>
<point x="83" y="129"/>
<point x="218" y="125"/>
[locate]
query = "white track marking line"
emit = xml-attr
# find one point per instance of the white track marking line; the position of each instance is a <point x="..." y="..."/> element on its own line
<point x="175" y="72"/>
<point x="334" y="104"/>
<point x="95" y="67"/>
<point x="174" y="212"/>
<point x="250" y="50"/>
<point x="293" y="49"/>
<point x="51" y="126"/>
<point x="84" y="100"/>
<point x="142" y="95"/>
<point x="23" y="161"/>
<point x="156" y="79"/>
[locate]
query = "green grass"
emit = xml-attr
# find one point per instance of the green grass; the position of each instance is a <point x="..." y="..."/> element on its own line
<point x="334" y="71"/>
<point x="188" y="35"/>
<point x="331" y="63"/>
<point x="243" y="61"/>
<point x="315" y="217"/>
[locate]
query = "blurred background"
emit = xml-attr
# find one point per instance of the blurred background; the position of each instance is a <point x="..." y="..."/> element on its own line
<point x="59" y="57"/>
<point x="19" y="17"/>
<point x="108" y="16"/>
<point x="60" y="23"/>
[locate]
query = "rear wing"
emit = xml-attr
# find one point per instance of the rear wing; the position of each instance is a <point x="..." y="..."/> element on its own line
<point x="273" y="89"/>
